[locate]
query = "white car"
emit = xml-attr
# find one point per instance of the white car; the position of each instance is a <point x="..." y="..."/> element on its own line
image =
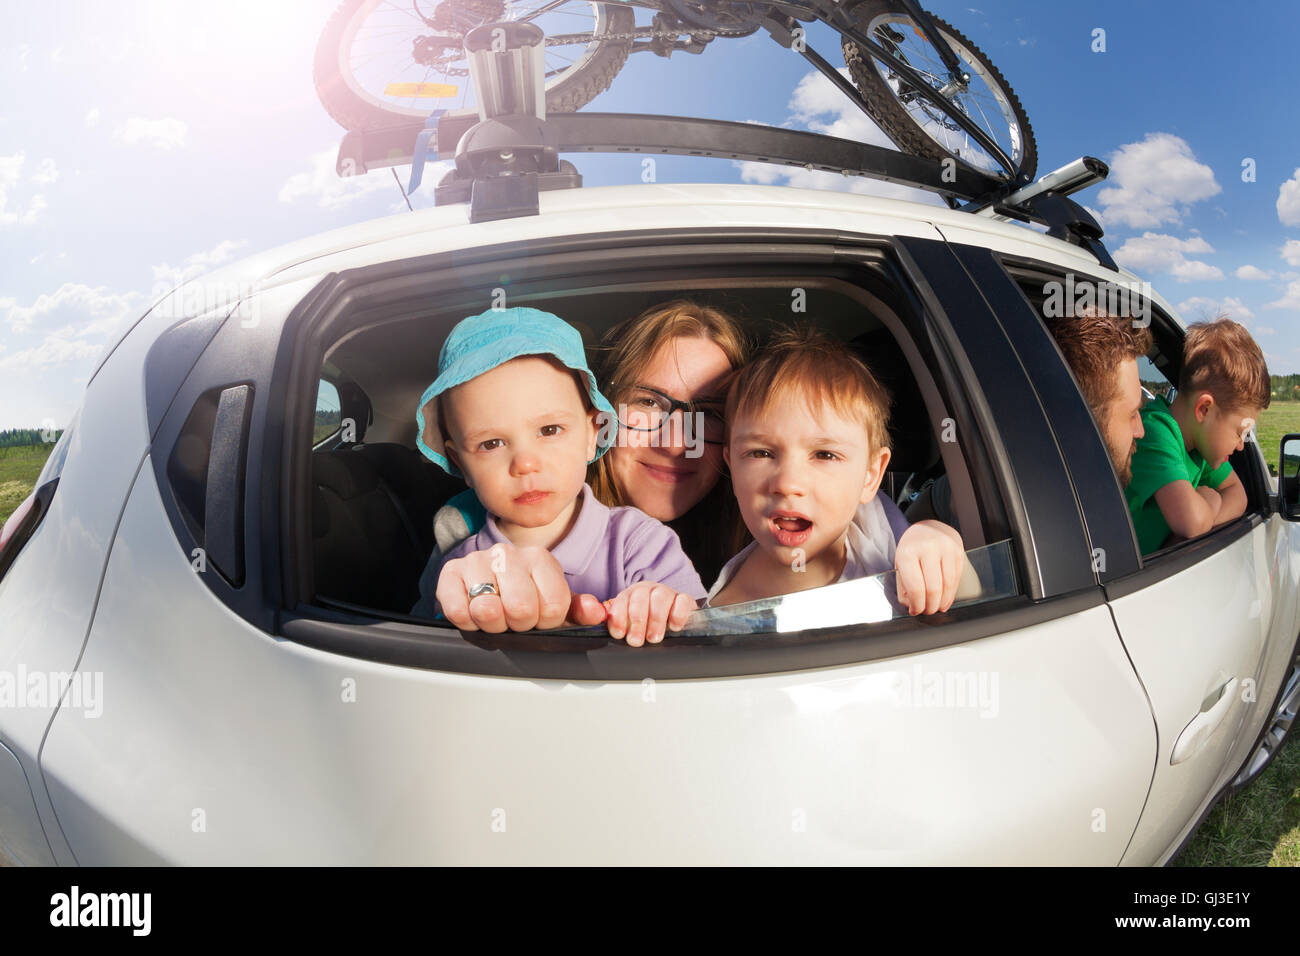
<point x="241" y="683"/>
<point x="206" y="655"/>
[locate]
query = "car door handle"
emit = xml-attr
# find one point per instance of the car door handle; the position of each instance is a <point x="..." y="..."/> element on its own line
<point x="224" y="507"/>
<point x="1196" y="733"/>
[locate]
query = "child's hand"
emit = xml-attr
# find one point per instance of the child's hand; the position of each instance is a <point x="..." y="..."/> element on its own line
<point x="643" y="611"/>
<point x="531" y="592"/>
<point x="928" y="561"/>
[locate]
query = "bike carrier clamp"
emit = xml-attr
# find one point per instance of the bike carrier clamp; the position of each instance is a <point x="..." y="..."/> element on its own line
<point x="505" y="160"/>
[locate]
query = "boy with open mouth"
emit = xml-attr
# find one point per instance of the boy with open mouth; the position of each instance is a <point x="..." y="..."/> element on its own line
<point x="808" y="447"/>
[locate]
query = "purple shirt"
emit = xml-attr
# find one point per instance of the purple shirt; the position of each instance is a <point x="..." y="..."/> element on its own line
<point x="606" y="551"/>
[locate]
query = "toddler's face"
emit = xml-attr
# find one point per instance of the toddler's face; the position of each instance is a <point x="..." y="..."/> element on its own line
<point x="799" y="475"/>
<point x="522" y="438"/>
<point x="1224" y="432"/>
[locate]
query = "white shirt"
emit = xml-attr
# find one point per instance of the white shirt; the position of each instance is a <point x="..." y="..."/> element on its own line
<point x="869" y="544"/>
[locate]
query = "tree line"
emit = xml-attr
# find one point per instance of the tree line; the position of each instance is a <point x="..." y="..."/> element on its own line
<point x="16" y="437"/>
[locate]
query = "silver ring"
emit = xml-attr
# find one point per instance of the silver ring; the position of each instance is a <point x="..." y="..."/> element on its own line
<point x="478" y="589"/>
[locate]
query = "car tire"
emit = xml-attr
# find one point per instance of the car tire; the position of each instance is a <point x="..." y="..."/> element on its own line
<point x="1278" y="730"/>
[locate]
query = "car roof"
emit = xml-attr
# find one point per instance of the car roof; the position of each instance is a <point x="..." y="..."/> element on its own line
<point x="611" y="209"/>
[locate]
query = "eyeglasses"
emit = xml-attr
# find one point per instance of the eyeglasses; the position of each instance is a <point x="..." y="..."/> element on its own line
<point x="645" y="409"/>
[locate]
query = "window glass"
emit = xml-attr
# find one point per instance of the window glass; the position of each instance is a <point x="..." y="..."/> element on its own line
<point x="328" y="414"/>
<point x="923" y="441"/>
<point x="1153" y="380"/>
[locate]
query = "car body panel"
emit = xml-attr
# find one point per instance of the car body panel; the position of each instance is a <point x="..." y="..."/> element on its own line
<point x="1189" y="635"/>
<point x="209" y="714"/>
<point x="22" y="839"/>
<point x="49" y="594"/>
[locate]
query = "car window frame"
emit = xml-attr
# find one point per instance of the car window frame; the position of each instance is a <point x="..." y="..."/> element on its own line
<point x="368" y="292"/>
<point x="1167" y="561"/>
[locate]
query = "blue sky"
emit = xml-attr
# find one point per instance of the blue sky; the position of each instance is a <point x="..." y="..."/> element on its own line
<point x="146" y="142"/>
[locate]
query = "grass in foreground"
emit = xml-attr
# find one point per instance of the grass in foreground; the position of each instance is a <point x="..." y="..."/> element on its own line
<point x="1260" y="826"/>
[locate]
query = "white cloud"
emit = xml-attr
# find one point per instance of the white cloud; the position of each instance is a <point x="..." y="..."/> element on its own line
<point x="1288" y="201"/>
<point x="1251" y="273"/>
<point x="327" y="189"/>
<point x="818" y="106"/>
<point x="1195" y="271"/>
<point x="167" y="133"/>
<point x="103" y="307"/>
<point x="1199" y="307"/>
<point x="1290" y="300"/>
<point x="52" y="351"/>
<point x="78" y="321"/>
<point x="1291" y="252"/>
<point x="1154" y="181"/>
<point x="46" y="173"/>
<point x="11" y="168"/>
<point x="92" y="117"/>
<point x="197" y="264"/>
<point x="1156" y="252"/>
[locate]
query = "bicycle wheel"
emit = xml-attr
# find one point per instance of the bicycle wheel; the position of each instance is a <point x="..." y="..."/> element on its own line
<point x="912" y="121"/>
<point x="384" y="63"/>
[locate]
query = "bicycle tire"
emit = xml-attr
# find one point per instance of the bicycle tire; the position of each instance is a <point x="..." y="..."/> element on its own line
<point x="354" y="112"/>
<point x="889" y="114"/>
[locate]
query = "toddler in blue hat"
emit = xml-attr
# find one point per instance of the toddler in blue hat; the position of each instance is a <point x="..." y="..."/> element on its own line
<point x="516" y="412"/>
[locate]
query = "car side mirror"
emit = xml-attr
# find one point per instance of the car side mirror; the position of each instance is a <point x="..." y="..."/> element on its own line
<point x="1288" y="478"/>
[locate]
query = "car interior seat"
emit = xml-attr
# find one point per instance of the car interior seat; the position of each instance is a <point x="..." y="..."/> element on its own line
<point x="372" y="517"/>
<point x="914" y="455"/>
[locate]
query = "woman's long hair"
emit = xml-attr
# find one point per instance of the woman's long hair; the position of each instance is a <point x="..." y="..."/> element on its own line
<point x="711" y="531"/>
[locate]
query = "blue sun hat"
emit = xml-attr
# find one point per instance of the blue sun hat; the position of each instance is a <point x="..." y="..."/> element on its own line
<point x="479" y="344"/>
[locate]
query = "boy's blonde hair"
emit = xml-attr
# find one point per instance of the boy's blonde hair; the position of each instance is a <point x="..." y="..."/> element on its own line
<point x="803" y="364"/>
<point x="1221" y="358"/>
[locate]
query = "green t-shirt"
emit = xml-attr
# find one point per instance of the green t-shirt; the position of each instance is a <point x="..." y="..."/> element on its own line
<point x="1162" y="458"/>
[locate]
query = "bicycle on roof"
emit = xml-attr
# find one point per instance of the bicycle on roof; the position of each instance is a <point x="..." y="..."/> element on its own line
<point x="384" y="63"/>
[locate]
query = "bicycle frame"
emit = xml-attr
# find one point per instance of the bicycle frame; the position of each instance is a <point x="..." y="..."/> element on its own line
<point x="779" y="19"/>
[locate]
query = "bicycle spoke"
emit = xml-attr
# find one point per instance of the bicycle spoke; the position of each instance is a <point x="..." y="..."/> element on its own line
<point x="918" y="53"/>
<point x="409" y="13"/>
<point x="534" y="14"/>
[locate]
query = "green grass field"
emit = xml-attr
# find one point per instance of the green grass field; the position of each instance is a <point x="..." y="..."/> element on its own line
<point x="20" y="466"/>
<point x="1281" y="418"/>
<point x="1258" y="827"/>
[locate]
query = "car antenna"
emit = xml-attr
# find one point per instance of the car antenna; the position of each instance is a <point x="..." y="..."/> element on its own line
<point x="399" y="186"/>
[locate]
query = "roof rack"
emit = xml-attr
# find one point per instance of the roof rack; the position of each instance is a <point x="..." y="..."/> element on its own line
<point x="508" y="153"/>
